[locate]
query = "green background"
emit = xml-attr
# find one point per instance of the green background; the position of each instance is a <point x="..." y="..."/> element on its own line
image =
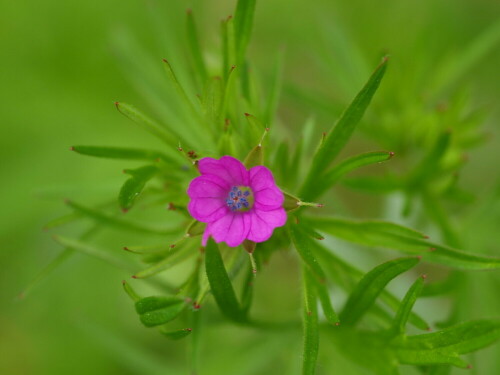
<point x="60" y="72"/>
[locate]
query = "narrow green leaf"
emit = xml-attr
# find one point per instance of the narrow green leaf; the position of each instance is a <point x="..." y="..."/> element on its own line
<point x="338" y="136"/>
<point x="154" y="311"/>
<point x="397" y="237"/>
<point x="228" y="46"/>
<point x="120" y="153"/>
<point x="346" y="166"/>
<point x="176" y="335"/>
<point x="177" y="86"/>
<point x="444" y="347"/>
<point x="109" y="220"/>
<point x="275" y="90"/>
<point x="346" y="276"/>
<point x="370" y="286"/>
<point x="247" y="291"/>
<point x="134" y="185"/>
<point x="310" y="322"/>
<point x="243" y="20"/>
<point x="407" y="305"/>
<point x="195" y="48"/>
<point x="172" y="257"/>
<point x="130" y="291"/>
<point x="167" y="135"/>
<point x="326" y="303"/>
<point x="220" y="283"/>
<point x="304" y="245"/>
<point x="92" y="251"/>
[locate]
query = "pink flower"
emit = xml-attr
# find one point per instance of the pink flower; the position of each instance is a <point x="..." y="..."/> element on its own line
<point x="236" y="203"/>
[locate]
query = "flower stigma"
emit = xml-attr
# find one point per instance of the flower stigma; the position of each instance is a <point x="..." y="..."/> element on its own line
<point x="240" y="199"/>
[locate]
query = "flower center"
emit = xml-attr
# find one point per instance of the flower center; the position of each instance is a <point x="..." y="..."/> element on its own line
<point x="240" y="199"/>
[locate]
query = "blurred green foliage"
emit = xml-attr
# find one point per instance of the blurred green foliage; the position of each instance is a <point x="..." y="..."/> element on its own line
<point x="63" y="66"/>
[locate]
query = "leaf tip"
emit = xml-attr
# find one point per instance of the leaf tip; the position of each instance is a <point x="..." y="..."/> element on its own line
<point x="134" y="276"/>
<point x="72" y="148"/>
<point x="391" y="154"/>
<point x="189" y="11"/>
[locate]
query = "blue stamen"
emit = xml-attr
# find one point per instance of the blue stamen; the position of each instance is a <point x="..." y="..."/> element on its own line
<point x="240" y="198"/>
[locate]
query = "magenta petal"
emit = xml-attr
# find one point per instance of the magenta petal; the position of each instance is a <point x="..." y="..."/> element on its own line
<point x="207" y="209"/>
<point x="269" y="199"/>
<point x="208" y="186"/>
<point x="228" y="168"/>
<point x="264" y="222"/>
<point x="261" y="178"/>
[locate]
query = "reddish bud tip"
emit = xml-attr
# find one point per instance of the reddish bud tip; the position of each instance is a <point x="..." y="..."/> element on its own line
<point x="233" y="67"/>
<point x="189" y="11"/>
<point x="267" y="129"/>
<point x="320" y="205"/>
<point x="134" y="277"/>
<point x="391" y="154"/>
<point x="126" y="248"/>
<point x="426" y="237"/>
<point x="124" y="282"/>
<point x="254" y="270"/>
<point x="180" y="149"/>
<point x="188" y="329"/>
<point x="196" y="306"/>
<point x="72" y="148"/>
<point x="171" y="207"/>
<point x="469" y="366"/>
<point x="309" y="313"/>
<point x="247" y="114"/>
<point x="124" y="210"/>
<point x="321" y="238"/>
<point x="432" y="249"/>
<point x="165" y="61"/>
<point x="117" y="105"/>
<point x="424" y="276"/>
<point x="229" y="17"/>
<point x="172" y="246"/>
<point x="337" y="323"/>
<point x="419" y="257"/>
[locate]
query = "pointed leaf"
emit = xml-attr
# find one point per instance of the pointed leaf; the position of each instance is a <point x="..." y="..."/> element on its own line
<point x="221" y="286"/>
<point x="130" y="291"/>
<point x="338" y="136"/>
<point x="346" y="166"/>
<point x="195" y="48"/>
<point x="120" y="153"/>
<point x="134" y="185"/>
<point x="243" y="20"/>
<point x="154" y="311"/>
<point x="407" y="305"/>
<point x="445" y="346"/>
<point x="311" y="328"/>
<point x="370" y="286"/>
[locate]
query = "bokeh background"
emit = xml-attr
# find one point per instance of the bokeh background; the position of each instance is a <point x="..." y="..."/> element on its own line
<point x="64" y="63"/>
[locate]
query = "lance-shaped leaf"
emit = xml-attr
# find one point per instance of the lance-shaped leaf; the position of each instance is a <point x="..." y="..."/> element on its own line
<point x="167" y="135"/>
<point x="176" y="335"/>
<point x="337" y="137"/>
<point x="220" y="284"/>
<point x="112" y="221"/>
<point x="134" y="185"/>
<point x="304" y="245"/>
<point x="120" y="153"/>
<point x="347" y="276"/>
<point x="370" y="286"/>
<point x="154" y="311"/>
<point x="393" y="236"/>
<point x="444" y="347"/>
<point x="311" y="328"/>
<point x="130" y="291"/>
<point x="243" y="20"/>
<point x="346" y="166"/>
<point x="407" y="305"/>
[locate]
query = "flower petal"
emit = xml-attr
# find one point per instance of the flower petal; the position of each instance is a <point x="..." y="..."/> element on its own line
<point x="232" y="229"/>
<point x="207" y="210"/>
<point x="269" y="199"/>
<point x="264" y="222"/>
<point x="261" y="178"/>
<point x="228" y="168"/>
<point x="208" y="186"/>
